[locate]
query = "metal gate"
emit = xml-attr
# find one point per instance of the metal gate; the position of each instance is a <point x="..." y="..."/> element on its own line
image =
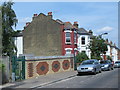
<point x="18" y="68"/>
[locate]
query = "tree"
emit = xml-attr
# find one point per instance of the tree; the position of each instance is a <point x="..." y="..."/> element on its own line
<point x="8" y="21"/>
<point x="0" y="31"/>
<point x="109" y="58"/>
<point x="97" y="47"/>
<point x="81" y="57"/>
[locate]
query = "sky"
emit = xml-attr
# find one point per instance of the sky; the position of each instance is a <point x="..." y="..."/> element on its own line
<point x="100" y="17"/>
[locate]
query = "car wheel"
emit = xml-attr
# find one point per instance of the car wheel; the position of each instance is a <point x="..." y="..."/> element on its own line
<point x="112" y="68"/>
<point x="100" y="71"/>
<point x="109" y="69"/>
<point x="94" y="73"/>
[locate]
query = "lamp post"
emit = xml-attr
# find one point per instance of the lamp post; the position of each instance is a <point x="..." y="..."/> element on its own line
<point x="102" y="34"/>
<point x="104" y="56"/>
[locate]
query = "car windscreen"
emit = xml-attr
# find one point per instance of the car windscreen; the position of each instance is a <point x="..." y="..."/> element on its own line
<point x="117" y="62"/>
<point x="103" y="62"/>
<point x="87" y="62"/>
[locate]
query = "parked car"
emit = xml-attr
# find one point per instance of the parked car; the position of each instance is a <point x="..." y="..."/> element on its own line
<point x="117" y="64"/>
<point x="106" y="65"/>
<point x="89" y="66"/>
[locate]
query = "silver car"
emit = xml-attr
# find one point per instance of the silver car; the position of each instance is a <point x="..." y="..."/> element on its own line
<point x="89" y="66"/>
<point x="117" y="64"/>
<point x="106" y="65"/>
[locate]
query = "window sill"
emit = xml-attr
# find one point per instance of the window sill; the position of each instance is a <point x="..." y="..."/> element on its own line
<point x="68" y="43"/>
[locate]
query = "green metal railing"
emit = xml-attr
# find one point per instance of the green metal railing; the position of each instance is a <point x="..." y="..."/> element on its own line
<point x="18" y="67"/>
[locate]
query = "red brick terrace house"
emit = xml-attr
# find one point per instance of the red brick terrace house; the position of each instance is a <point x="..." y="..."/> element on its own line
<point x="69" y="36"/>
<point x="44" y="36"/>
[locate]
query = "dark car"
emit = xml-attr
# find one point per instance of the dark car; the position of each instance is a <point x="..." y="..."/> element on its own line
<point x="106" y="65"/>
<point x="89" y="66"/>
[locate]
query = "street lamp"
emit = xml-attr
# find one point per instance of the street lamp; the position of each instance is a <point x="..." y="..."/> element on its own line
<point x="102" y="34"/>
<point x="101" y="37"/>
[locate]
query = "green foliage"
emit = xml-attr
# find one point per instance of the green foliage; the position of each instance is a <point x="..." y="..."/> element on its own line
<point x="8" y="21"/>
<point x="81" y="57"/>
<point x="0" y="31"/>
<point x="97" y="47"/>
<point x="109" y="58"/>
<point x="2" y="67"/>
<point x="98" y="58"/>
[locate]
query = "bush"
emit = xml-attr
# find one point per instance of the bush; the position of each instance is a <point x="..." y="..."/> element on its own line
<point x="3" y="74"/>
<point x="81" y="57"/>
<point x="109" y="58"/>
<point x="2" y="66"/>
<point x="98" y="58"/>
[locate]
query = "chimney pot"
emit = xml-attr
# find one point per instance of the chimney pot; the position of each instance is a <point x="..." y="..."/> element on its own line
<point x="35" y="15"/>
<point x="76" y="22"/>
<point x="49" y="13"/>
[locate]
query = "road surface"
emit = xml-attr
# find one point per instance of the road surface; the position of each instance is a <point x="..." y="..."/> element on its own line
<point x="106" y="79"/>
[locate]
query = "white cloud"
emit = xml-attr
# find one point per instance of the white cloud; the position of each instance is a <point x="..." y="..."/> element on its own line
<point x="24" y="20"/>
<point x="105" y="29"/>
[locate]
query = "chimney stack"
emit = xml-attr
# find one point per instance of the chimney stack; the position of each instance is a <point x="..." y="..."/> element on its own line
<point x="91" y="32"/>
<point x="27" y="24"/>
<point x="34" y="15"/>
<point x="111" y="42"/>
<point x="50" y="15"/>
<point x="75" y="24"/>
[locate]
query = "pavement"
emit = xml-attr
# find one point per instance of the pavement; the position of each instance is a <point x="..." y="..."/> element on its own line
<point x="41" y="80"/>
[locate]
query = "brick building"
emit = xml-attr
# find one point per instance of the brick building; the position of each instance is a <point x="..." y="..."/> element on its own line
<point x="69" y="38"/>
<point x="45" y="36"/>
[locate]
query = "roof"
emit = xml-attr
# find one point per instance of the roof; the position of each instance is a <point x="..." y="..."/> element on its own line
<point x="59" y="21"/>
<point x="20" y="34"/>
<point x="112" y="46"/>
<point x="68" y="25"/>
<point x="82" y="31"/>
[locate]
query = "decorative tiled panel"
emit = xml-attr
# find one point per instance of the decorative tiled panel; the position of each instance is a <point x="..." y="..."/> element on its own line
<point x="55" y="66"/>
<point x="42" y="68"/>
<point x="30" y="69"/>
<point x="66" y="64"/>
<point x="71" y="61"/>
<point x="39" y="67"/>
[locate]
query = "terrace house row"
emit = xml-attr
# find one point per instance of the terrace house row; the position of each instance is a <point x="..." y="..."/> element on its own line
<point x="44" y="36"/>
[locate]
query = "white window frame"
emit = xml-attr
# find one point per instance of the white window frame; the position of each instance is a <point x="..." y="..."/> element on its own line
<point x="82" y="40"/>
<point x="68" y="37"/>
<point x="75" y="37"/>
<point x="68" y="49"/>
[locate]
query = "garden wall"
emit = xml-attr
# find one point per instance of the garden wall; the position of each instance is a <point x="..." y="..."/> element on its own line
<point x="36" y="66"/>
